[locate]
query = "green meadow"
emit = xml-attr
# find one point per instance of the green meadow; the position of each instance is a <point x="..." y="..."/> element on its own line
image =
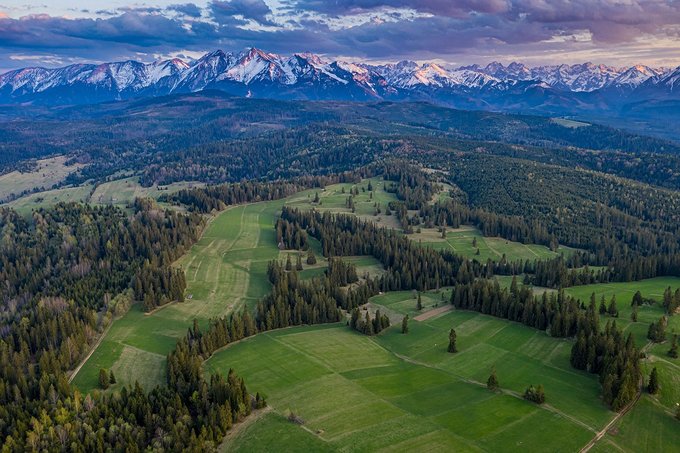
<point x="225" y="271"/>
<point x="393" y="392"/>
<point x="397" y="392"/>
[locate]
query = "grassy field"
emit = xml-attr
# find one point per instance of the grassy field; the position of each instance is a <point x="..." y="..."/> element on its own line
<point x="122" y="192"/>
<point x="651" y="288"/>
<point x="650" y="426"/>
<point x="398" y="392"/>
<point x="28" y="203"/>
<point x="461" y="240"/>
<point x="47" y="173"/>
<point x="225" y="270"/>
<point x="333" y="199"/>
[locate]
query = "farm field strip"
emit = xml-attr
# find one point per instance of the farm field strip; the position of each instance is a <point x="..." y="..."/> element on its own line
<point x="333" y="377"/>
<point x="216" y="284"/>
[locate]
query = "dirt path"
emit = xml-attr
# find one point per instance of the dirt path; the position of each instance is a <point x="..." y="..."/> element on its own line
<point x="94" y="347"/>
<point x="546" y="407"/>
<point x="435" y="312"/>
<point x="237" y="428"/>
<point x="600" y="434"/>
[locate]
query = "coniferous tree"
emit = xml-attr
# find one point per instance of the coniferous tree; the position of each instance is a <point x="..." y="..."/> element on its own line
<point x="673" y="351"/>
<point x="612" y="310"/>
<point x="103" y="379"/>
<point x="298" y="264"/>
<point x="419" y="304"/>
<point x="112" y="378"/>
<point x="492" y="383"/>
<point x="653" y="385"/>
<point x="289" y="264"/>
<point x="311" y="259"/>
<point x="634" y="313"/>
<point x="452" y="341"/>
<point x="404" y="324"/>
<point x="603" y="307"/>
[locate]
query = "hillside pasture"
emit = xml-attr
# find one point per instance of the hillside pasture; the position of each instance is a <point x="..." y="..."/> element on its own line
<point x="225" y="271"/>
<point x="396" y="392"/>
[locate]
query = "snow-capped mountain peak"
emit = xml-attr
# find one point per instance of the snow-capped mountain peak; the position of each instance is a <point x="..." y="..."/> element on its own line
<point x="260" y="73"/>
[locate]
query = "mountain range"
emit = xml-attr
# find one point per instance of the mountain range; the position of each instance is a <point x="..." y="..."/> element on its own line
<point x="554" y="90"/>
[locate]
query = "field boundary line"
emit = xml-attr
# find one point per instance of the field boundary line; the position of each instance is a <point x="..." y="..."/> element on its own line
<point x="94" y="347"/>
<point x="512" y="393"/>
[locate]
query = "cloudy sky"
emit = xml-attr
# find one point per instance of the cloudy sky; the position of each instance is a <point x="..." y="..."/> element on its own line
<point x="619" y="32"/>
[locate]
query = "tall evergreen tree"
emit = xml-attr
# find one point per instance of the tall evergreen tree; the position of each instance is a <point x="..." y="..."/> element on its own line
<point x="404" y="324"/>
<point x="673" y="351"/>
<point x="653" y="385"/>
<point x="452" y="341"/>
<point x="103" y="379"/>
<point x="492" y="382"/>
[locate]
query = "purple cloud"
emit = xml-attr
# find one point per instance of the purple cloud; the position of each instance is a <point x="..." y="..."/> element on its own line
<point x="257" y="10"/>
<point x="466" y="30"/>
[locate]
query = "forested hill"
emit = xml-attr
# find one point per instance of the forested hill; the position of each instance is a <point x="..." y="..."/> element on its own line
<point x="181" y="121"/>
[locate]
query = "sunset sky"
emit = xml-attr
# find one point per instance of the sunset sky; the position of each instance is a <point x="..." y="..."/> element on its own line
<point x="625" y="32"/>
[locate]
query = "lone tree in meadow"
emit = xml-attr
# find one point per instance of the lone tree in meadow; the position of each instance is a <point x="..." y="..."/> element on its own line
<point x="419" y="305"/>
<point x="103" y="379"/>
<point x="653" y="385"/>
<point x="492" y="382"/>
<point x="452" y="341"/>
<point x="112" y="378"/>
<point x="634" y="313"/>
<point x="673" y="351"/>
<point x="404" y="324"/>
<point x="298" y="264"/>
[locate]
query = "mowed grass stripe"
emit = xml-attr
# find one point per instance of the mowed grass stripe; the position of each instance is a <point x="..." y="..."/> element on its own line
<point x="353" y="388"/>
<point x="216" y="285"/>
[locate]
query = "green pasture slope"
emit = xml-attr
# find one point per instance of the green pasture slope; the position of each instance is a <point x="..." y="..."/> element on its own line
<point x="403" y="392"/>
<point x="391" y="392"/>
<point x="460" y="241"/>
<point x="226" y="270"/>
<point x="650" y="425"/>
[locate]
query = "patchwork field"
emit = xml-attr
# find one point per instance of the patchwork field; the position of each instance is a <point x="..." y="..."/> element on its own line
<point x="398" y="392"/>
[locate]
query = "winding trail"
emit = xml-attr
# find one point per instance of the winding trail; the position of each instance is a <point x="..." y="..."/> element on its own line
<point x="600" y="434"/>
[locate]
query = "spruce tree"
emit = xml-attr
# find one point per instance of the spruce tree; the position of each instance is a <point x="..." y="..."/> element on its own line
<point x="452" y="341"/>
<point x="612" y="310"/>
<point x="634" y="314"/>
<point x="112" y="378"/>
<point x="103" y="379"/>
<point x="492" y="382"/>
<point x="653" y="385"/>
<point x="419" y="305"/>
<point x="404" y="324"/>
<point x="298" y="264"/>
<point x="673" y="351"/>
<point x="603" y="307"/>
<point x="289" y="264"/>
